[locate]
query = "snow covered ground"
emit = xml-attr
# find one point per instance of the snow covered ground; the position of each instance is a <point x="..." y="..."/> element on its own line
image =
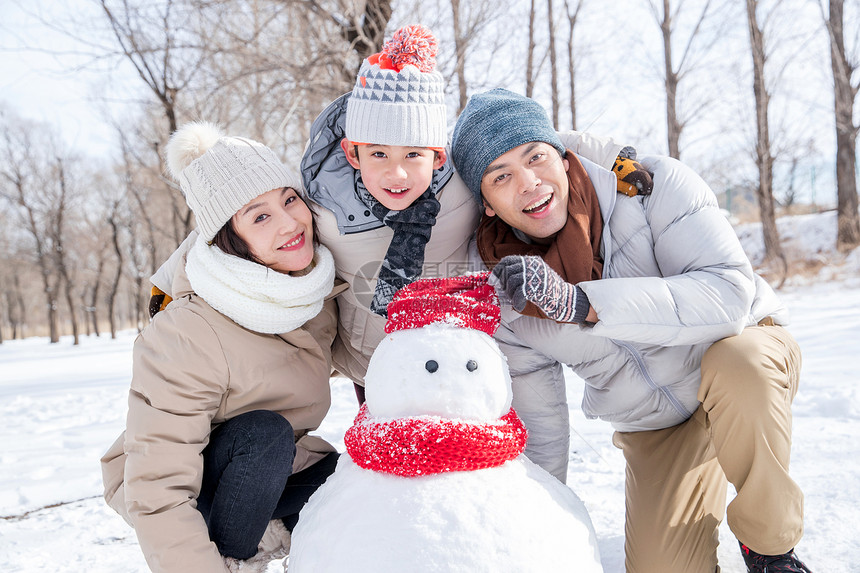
<point x="61" y="407"/>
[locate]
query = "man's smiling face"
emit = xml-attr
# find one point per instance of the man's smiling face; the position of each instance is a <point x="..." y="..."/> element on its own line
<point x="527" y="188"/>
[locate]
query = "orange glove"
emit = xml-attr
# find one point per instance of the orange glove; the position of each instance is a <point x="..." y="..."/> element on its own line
<point x="158" y="299"/>
<point x="633" y="179"/>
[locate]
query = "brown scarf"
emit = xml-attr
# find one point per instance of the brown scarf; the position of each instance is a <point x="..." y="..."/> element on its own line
<point x="574" y="252"/>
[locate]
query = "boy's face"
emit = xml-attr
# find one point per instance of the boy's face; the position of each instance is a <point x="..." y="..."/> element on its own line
<point x="527" y="188"/>
<point x="395" y="175"/>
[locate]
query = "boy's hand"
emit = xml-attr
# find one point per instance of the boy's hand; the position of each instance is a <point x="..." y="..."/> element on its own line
<point x="529" y="279"/>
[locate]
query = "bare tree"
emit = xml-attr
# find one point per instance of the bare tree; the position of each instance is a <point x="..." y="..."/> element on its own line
<point x="530" y="52"/>
<point x="698" y="44"/>
<point x="13" y="292"/>
<point x="361" y="25"/>
<point x="553" y="65"/>
<point x="58" y="232"/>
<point x="764" y="156"/>
<point x="152" y="37"/>
<point x="113" y="289"/>
<point x="365" y="29"/>
<point x="96" y="256"/>
<point x="471" y="21"/>
<point x="844" y="97"/>
<point x="21" y="172"/>
<point x="461" y="42"/>
<point x="572" y="17"/>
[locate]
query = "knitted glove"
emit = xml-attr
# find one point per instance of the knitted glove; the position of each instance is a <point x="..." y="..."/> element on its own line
<point x="529" y="279"/>
<point x="633" y="179"/>
<point x="158" y="299"/>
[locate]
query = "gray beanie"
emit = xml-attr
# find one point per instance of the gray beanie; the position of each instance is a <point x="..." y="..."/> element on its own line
<point x="398" y="98"/>
<point x="220" y="174"/>
<point x="493" y="123"/>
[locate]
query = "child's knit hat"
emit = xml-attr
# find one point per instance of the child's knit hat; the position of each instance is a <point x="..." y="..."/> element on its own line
<point x="398" y="98"/>
<point x="220" y="174"/>
<point x="493" y="123"/>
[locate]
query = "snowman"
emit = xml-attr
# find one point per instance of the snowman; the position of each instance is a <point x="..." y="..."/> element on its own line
<point x="434" y="479"/>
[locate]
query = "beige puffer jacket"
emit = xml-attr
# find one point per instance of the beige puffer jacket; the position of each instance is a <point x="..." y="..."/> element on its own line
<point x="193" y="369"/>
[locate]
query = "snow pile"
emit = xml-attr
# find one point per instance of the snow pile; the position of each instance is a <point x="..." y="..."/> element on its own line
<point x="62" y="406"/>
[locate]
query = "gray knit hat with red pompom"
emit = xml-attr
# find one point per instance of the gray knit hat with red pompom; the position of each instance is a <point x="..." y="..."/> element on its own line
<point x="399" y="98"/>
<point x="220" y="174"/>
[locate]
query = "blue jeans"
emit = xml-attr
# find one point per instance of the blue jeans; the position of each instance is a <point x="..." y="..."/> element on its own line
<point x="247" y="480"/>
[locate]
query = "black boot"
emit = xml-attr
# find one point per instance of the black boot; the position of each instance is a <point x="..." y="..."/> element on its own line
<point x="785" y="563"/>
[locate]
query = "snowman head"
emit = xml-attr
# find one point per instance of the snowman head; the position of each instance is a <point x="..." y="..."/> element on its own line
<point x="439" y="357"/>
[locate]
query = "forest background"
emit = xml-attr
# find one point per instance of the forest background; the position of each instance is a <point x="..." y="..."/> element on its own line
<point x="759" y="96"/>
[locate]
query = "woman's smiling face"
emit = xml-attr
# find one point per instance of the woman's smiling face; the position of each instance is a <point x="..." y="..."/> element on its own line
<point x="278" y="229"/>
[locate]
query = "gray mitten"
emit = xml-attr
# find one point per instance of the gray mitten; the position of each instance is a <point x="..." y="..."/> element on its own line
<point x="529" y="279"/>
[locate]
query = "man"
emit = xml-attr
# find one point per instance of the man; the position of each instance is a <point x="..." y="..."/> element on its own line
<point x="652" y="301"/>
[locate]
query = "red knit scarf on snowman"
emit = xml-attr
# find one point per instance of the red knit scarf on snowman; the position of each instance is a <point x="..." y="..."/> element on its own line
<point x="425" y="445"/>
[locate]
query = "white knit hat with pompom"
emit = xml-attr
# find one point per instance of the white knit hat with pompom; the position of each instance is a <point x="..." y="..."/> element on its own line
<point x="220" y="174"/>
<point x="399" y="97"/>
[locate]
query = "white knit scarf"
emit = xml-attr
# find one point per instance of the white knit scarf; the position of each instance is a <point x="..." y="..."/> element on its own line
<point x="254" y="296"/>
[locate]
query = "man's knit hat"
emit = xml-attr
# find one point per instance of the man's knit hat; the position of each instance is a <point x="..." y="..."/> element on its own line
<point x="220" y="174"/>
<point x="493" y="123"/>
<point x="398" y="98"/>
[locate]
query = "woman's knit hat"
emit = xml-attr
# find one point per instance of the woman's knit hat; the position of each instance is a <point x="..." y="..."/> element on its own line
<point x="220" y="174"/>
<point x="398" y="98"/>
<point x="493" y="123"/>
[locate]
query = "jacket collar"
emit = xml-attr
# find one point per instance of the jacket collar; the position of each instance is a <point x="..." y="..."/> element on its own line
<point x="605" y="187"/>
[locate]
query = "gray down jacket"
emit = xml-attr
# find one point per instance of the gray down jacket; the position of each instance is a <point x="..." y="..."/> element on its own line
<point x="675" y="280"/>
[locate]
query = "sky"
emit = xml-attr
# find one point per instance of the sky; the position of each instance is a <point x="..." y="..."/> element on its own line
<point x="62" y="406"/>
<point x="613" y="100"/>
<point x="59" y="91"/>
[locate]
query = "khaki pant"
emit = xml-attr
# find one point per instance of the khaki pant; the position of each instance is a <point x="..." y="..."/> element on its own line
<point x="676" y="477"/>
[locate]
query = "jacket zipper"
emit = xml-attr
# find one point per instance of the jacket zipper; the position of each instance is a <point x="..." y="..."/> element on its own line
<point x="640" y="363"/>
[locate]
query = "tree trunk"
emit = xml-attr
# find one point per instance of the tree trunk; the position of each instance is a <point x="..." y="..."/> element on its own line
<point x="60" y="258"/>
<point x="10" y="312"/>
<point x="673" y="126"/>
<point x="21" y="315"/>
<point x="367" y="36"/>
<point x="764" y="156"/>
<point x="460" y="44"/>
<point x="42" y="261"/>
<point x="85" y="308"/>
<point x="571" y="58"/>
<point x="73" y="316"/>
<point x="553" y="65"/>
<point x="93" y="307"/>
<point x="530" y="53"/>
<point x="114" y="288"/>
<point x="847" y="218"/>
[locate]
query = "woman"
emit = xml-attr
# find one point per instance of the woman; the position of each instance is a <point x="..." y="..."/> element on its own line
<point x="232" y="375"/>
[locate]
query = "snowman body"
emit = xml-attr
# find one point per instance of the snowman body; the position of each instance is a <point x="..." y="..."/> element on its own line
<point x="513" y="517"/>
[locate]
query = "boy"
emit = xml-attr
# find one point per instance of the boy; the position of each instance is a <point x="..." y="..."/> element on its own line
<point x="390" y="207"/>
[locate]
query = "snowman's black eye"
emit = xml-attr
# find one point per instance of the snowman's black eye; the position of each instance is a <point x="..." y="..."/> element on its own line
<point x="431" y="366"/>
<point x="471" y="365"/>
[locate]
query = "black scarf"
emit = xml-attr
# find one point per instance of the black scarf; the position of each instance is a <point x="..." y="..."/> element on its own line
<point x="405" y="256"/>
